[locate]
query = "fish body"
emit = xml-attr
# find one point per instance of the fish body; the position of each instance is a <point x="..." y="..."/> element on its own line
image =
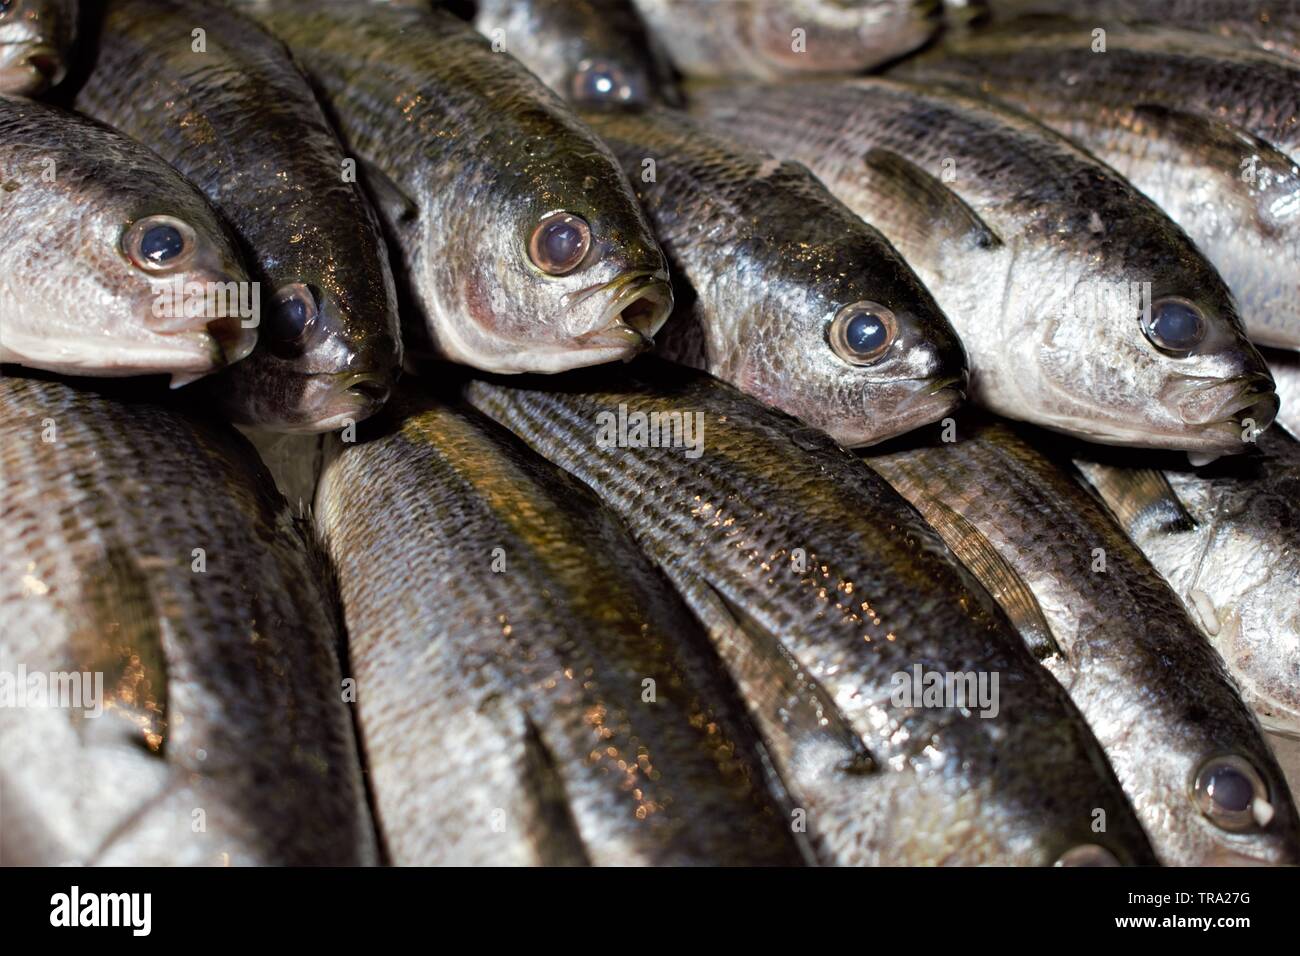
<point x="35" y="39"/>
<point x="234" y="114"/>
<point x="595" y="53"/>
<point x="1149" y="683"/>
<point x="98" y="230"/>
<point x="768" y="39"/>
<point x="534" y="693"/>
<point x="830" y="600"/>
<point x="1227" y="539"/>
<point x="772" y="269"/>
<point x="148" y="552"/>
<point x="1082" y="307"/>
<point x="519" y="238"/>
<point x="1206" y="128"/>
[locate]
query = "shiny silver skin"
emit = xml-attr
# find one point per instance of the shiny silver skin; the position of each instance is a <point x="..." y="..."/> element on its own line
<point x="765" y="258"/>
<point x="532" y="692"/>
<point x="35" y="39"/>
<point x="152" y="550"/>
<point x="1033" y="250"/>
<point x="1285" y="367"/>
<point x="756" y="38"/>
<point x="1207" y="128"/>
<point x="1227" y="539"/>
<point x="71" y="300"/>
<point x="1150" y="685"/>
<point x="465" y="152"/>
<point x="826" y="589"/>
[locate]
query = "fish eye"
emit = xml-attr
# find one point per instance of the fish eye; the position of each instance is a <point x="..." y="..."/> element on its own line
<point x="599" y="81"/>
<point x="862" y="332"/>
<point x="7" y="7"/>
<point x="159" y="243"/>
<point x="293" y="314"/>
<point x="1230" y="792"/>
<point x="559" y="243"/>
<point x="1176" y="326"/>
<point x="1087" y="854"/>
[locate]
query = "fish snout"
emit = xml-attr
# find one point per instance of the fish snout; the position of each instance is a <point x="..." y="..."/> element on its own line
<point x="1247" y="401"/>
<point x="638" y="307"/>
<point x="33" y="70"/>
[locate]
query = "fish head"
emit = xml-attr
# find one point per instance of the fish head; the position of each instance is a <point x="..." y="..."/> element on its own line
<point x="840" y="35"/>
<point x="574" y="277"/>
<point x="34" y="38"/>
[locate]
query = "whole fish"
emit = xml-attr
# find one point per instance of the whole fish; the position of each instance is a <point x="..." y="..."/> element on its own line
<point x="155" y="579"/>
<point x="768" y="39"/>
<point x="841" y="616"/>
<point x="1206" y="128"/>
<point x="98" y="231"/>
<point x="515" y="229"/>
<point x="782" y="290"/>
<point x="595" y="53"/>
<point x="234" y="115"/>
<point x="1285" y="367"/>
<point x="1227" y="539"/>
<point x="35" y="38"/>
<point x="1120" y="642"/>
<point x="1082" y="307"/>
<point x="534" y="693"/>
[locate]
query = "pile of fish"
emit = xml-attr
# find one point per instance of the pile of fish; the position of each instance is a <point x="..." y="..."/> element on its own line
<point x="954" y="520"/>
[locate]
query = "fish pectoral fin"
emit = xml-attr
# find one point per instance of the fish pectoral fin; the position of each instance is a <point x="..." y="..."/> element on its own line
<point x="940" y="212"/>
<point x="1229" y="147"/>
<point x="977" y="555"/>
<point x="556" y="835"/>
<point x="394" y="205"/>
<point x="1139" y="496"/>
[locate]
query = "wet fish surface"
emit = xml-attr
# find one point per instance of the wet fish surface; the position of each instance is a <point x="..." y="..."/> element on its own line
<point x="96" y="227"/>
<point x="240" y="120"/>
<point x="826" y="594"/>
<point x="1227" y="539"/>
<point x="1189" y="753"/>
<point x="1081" y="306"/>
<point x="187" y="597"/>
<point x="536" y="694"/>
<point x="782" y="290"/>
<point x="1206" y="128"/>
<point x="514" y="228"/>
<point x="766" y="39"/>
<point x="1285" y="367"/>
<point x="36" y="37"/>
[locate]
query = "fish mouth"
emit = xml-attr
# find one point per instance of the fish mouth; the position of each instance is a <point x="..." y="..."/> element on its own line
<point x="231" y="340"/>
<point x="638" y="309"/>
<point x="1229" y="409"/>
<point x="928" y="402"/>
<point x="34" y="71"/>
<point x="354" y="397"/>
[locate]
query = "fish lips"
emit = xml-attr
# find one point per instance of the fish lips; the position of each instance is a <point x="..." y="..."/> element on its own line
<point x="638" y="309"/>
<point x="1225" y="416"/>
<point x="32" y="71"/>
<point x="929" y="399"/>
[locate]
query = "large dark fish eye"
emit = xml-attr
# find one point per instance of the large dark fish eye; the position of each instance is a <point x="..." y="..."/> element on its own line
<point x="862" y="332"/>
<point x="159" y="243"/>
<point x="293" y="314"/>
<point x="559" y="243"/>
<point x="599" y="81"/>
<point x="7" y="7"/>
<point x="1176" y="326"/>
<point x="1087" y="854"/>
<point x="1230" y="792"/>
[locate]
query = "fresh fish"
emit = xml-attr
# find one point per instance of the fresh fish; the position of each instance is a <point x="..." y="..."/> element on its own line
<point x="783" y="291"/>
<point x="596" y="53"/>
<point x="831" y="601"/>
<point x="1227" y="538"/>
<point x="1207" y="129"/>
<point x="534" y="693"/>
<point x="1081" y="306"/>
<point x="35" y="37"/>
<point x="1187" y="750"/>
<point x="768" y="39"/>
<point x="98" y="230"/>
<point x="514" y="226"/>
<point x="151" y="572"/>
<point x="1285" y="367"/>
<point x="239" y="120"/>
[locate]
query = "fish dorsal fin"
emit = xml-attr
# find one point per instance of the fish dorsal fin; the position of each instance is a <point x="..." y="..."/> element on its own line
<point x="941" y="210"/>
<point x="1138" y="496"/>
<point x="978" y="555"/>
<point x="397" y="208"/>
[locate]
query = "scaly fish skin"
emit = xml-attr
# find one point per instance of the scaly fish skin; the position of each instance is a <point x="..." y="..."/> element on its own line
<point x="773" y="263"/>
<point x="1206" y="128"/>
<point x="152" y="550"/>
<point x="1150" y="685"/>
<point x="80" y="296"/>
<point x="1042" y="258"/>
<point x="475" y="166"/>
<point x="845" y="591"/>
<point x="240" y="120"/>
<point x="534" y="693"/>
<point x="767" y="39"/>
<point x="35" y="37"/>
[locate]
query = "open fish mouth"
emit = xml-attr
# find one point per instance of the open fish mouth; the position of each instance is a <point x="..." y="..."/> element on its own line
<point x="638" y="309"/>
<point x="1251" y="404"/>
<point x="31" y="70"/>
<point x="353" y="397"/>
